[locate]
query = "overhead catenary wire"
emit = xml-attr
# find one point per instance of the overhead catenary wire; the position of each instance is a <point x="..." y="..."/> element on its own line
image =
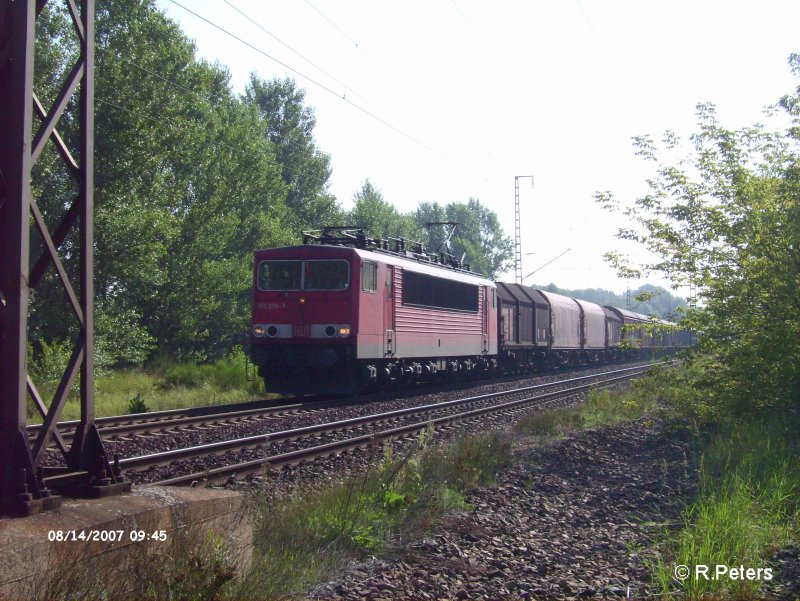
<point x="336" y="27"/>
<point x="588" y="22"/>
<point x="466" y="20"/>
<point x="313" y="81"/>
<point x="296" y="52"/>
<point x="546" y="264"/>
<point x="342" y="32"/>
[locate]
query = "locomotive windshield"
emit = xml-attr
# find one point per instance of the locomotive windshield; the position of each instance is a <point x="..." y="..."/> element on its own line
<point x="303" y="275"/>
<point x="279" y="275"/>
<point x="326" y="275"/>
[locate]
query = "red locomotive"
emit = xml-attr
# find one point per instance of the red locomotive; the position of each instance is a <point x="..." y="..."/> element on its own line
<point x="344" y="312"/>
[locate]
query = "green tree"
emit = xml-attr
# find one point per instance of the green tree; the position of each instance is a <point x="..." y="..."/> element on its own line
<point x="305" y="169"/>
<point x="381" y="218"/>
<point x="186" y="186"/>
<point x="723" y="215"/>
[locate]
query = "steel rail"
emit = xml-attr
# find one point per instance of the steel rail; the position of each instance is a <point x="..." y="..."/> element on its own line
<point x="171" y="418"/>
<point x="166" y="457"/>
<point x="366" y="440"/>
<point x="156" y="416"/>
<point x="167" y="419"/>
<point x="282" y="459"/>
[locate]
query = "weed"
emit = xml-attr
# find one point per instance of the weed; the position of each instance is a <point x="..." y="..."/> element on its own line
<point x="137" y="405"/>
<point x="303" y="540"/>
<point x="192" y="567"/>
<point x="164" y="384"/>
<point x="748" y="507"/>
<point x="601" y="407"/>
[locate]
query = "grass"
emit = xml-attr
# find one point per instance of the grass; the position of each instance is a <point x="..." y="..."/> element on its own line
<point x="602" y="407"/>
<point x="748" y="504"/>
<point x="193" y="567"/>
<point x="311" y="536"/>
<point x="748" y="507"/>
<point x="301" y="540"/>
<point x="162" y="385"/>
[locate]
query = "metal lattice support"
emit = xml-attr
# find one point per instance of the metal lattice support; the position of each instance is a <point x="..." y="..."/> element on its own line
<point x="88" y="472"/>
<point x="518" y="230"/>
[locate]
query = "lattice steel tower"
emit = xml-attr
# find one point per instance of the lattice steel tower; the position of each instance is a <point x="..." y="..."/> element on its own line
<point x="23" y="479"/>
<point x="518" y="230"/>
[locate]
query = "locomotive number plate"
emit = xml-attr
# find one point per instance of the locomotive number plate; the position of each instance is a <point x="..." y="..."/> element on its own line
<point x="301" y="332"/>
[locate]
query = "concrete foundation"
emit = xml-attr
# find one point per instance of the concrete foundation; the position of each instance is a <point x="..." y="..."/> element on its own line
<point x="109" y="532"/>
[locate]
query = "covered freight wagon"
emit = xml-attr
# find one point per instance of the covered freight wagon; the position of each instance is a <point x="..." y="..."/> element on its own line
<point x="524" y="325"/>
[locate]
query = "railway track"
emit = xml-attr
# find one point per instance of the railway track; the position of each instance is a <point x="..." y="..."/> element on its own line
<point x="172" y="420"/>
<point x="232" y="458"/>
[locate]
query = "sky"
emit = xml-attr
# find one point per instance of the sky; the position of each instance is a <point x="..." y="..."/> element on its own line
<point x="446" y="100"/>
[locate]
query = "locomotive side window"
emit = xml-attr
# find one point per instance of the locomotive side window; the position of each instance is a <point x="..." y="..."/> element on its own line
<point x="279" y="275"/>
<point x="326" y="275"/>
<point x="429" y="291"/>
<point x="369" y="276"/>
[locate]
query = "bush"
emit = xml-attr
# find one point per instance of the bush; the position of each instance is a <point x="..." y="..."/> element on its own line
<point x="137" y="405"/>
<point x="48" y="364"/>
<point x="120" y="340"/>
<point x="224" y="374"/>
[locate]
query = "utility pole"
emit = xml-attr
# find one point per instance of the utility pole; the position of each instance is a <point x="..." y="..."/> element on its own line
<point x="518" y="230"/>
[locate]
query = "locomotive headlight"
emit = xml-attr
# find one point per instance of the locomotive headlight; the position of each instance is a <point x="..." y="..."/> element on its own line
<point x="258" y="331"/>
<point x="344" y="331"/>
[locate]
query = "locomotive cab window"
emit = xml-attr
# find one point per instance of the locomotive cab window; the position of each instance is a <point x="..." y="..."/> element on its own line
<point x="429" y="291"/>
<point x="279" y="275"/>
<point x="369" y="276"/>
<point x="303" y="275"/>
<point x="326" y="275"/>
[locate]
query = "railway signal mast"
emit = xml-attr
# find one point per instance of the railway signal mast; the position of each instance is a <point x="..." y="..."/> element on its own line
<point x="22" y="475"/>
<point x="518" y="230"/>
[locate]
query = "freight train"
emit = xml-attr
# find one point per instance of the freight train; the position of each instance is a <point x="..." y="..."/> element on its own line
<point x="345" y="312"/>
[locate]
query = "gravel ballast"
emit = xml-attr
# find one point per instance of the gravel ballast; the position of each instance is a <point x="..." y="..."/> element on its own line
<point x="574" y="518"/>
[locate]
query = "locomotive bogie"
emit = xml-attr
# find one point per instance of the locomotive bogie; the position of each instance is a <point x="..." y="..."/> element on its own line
<point x="306" y="369"/>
